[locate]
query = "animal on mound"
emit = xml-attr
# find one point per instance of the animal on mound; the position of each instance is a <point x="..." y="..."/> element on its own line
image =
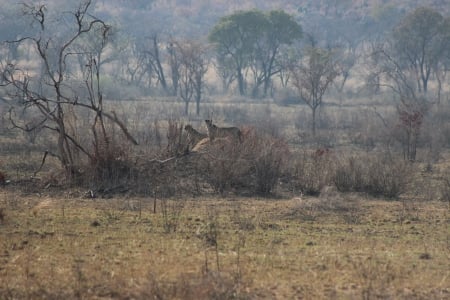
<point x="222" y="132"/>
<point x="193" y="136"/>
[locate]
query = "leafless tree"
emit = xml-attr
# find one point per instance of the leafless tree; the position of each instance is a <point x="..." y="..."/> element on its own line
<point x="174" y="63"/>
<point x="51" y="93"/>
<point x="193" y="58"/>
<point x="411" y="102"/>
<point x="312" y="77"/>
<point x="154" y="59"/>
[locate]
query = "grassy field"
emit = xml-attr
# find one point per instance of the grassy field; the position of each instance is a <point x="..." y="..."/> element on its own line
<point x="57" y="243"/>
<point x="339" y="247"/>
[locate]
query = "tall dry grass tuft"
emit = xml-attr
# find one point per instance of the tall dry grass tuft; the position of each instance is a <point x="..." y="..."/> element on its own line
<point x="110" y="165"/>
<point x="254" y="165"/>
<point x="224" y="166"/>
<point x="193" y="286"/>
<point x="177" y="143"/>
<point x="171" y="213"/>
<point x="310" y="171"/>
<point x="270" y="157"/>
<point x="378" y="175"/>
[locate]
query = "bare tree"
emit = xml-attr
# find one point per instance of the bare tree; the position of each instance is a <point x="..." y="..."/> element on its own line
<point x="52" y="94"/>
<point x="199" y="68"/>
<point x="312" y="77"/>
<point x="154" y="59"/>
<point x="134" y="64"/>
<point x="193" y="58"/>
<point x="411" y="102"/>
<point x="174" y="63"/>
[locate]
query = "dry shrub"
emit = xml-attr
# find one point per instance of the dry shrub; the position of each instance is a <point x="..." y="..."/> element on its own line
<point x="312" y="171"/>
<point x="225" y="165"/>
<point x="349" y="174"/>
<point x="256" y="163"/>
<point x="270" y="156"/>
<point x="375" y="174"/>
<point x="110" y="163"/>
<point x="176" y="141"/>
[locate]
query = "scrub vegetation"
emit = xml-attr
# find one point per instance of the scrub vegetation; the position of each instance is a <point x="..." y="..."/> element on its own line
<point x="241" y="152"/>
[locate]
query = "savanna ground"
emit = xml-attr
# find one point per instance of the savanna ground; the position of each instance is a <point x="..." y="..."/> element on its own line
<point x="211" y="248"/>
<point x="59" y="243"/>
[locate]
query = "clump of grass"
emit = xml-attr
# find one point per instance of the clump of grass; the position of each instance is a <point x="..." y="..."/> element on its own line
<point x="171" y="211"/>
<point x="311" y="172"/>
<point x="208" y="285"/>
<point x="377" y="175"/>
<point x="255" y="164"/>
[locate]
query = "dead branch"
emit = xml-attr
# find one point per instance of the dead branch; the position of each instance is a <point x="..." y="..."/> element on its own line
<point x="47" y="152"/>
<point x="381" y="118"/>
<point x="122" y="126"/>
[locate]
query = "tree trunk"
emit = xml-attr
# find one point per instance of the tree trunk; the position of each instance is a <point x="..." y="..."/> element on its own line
<point x="186" y="108"/>
<point x="160" y="70"/>
<point x="314" y="121"/>
<point x="241" y="82"/>
<point x="197" y="110"/>
<point x="266" y="86"/>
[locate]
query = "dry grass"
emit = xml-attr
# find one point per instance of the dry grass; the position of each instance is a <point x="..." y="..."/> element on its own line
<point x="71" y="247"/>
<point x="56" y="244"/>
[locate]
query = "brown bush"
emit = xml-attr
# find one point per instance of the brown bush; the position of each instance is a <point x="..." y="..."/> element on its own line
<point x="177" y="142"/>
<point x="111" y="169"/>
<point x="110" y="163"/>
<point x="224" y="165"/>
<point x="374" y="174"/>
<point x="349" y="174"/>
<point x="310" y="172"/>
<point x="270" y="156"/>
<point x="255" y="164"/>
